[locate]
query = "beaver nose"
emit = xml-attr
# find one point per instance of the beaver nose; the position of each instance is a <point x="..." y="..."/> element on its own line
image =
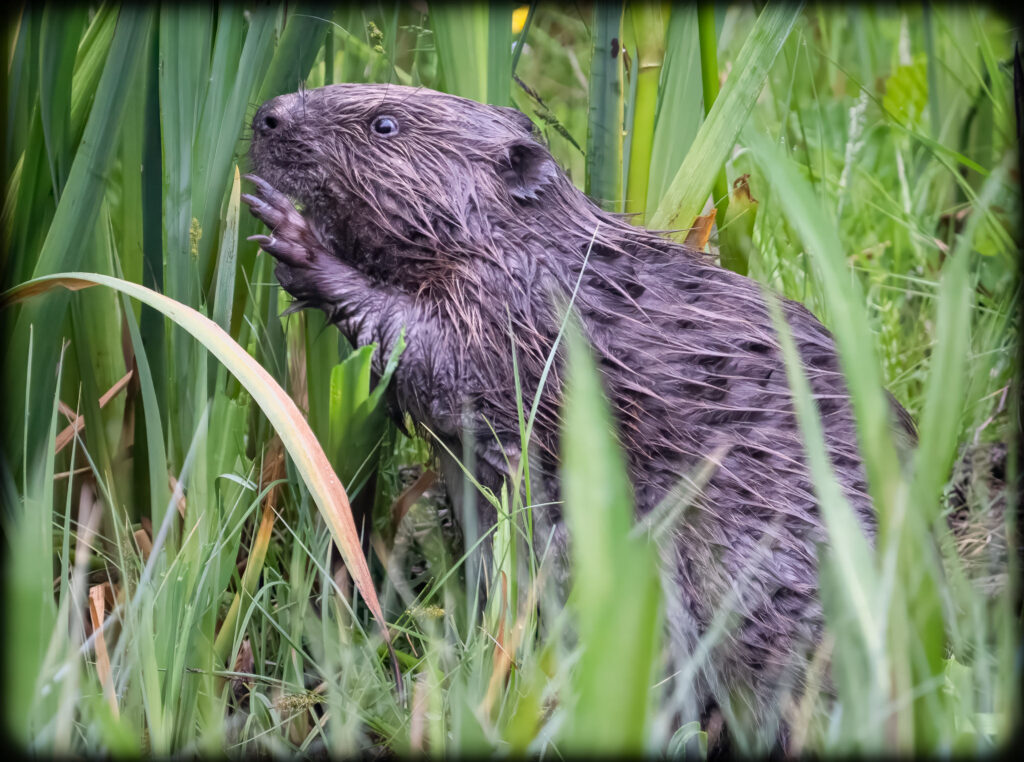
<point x="270" y="117"/>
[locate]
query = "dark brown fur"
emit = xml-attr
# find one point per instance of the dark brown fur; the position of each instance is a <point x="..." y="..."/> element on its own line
<point x="462" y="229"/>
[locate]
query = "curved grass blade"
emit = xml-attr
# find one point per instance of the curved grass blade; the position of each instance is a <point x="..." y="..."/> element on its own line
<point x="310" y="461"/>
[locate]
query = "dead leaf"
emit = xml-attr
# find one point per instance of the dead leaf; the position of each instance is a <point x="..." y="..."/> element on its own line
<point x="78" y="422"/>
<point x="97" y="613"/>
<point x="144" y="543"/>
<point x="700" y="232"/>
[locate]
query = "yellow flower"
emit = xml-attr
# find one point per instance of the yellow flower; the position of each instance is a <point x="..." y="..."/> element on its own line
<point x="519" y="18"/>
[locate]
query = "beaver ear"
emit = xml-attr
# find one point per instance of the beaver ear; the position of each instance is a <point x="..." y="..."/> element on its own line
<point x="522" y="120"/>
<point x="527" y="168"/>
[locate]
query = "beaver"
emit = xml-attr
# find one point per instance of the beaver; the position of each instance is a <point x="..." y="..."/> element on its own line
<point x="449" y="220"/>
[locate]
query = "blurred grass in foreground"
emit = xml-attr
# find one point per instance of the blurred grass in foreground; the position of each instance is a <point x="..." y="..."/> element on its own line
<point x="871" y="157"/>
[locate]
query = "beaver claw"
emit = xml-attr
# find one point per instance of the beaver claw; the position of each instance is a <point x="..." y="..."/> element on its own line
<point x="292" y="241"/>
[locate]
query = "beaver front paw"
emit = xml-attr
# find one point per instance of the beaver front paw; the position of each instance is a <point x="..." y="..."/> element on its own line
<point x="292" y="241"/>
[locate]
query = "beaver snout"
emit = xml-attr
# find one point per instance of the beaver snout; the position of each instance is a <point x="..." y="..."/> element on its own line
<point x="274" y="115"/>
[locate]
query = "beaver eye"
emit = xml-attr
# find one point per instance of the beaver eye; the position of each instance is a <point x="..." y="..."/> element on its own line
<point x="385" y="126"/>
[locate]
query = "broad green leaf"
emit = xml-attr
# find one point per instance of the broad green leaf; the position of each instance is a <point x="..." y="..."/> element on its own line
<point x="906" y="91"/>
<point x="357" y="418"/>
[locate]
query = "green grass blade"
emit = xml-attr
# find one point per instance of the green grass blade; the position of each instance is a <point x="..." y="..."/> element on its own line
<point x="687" y="192"/>
<point x="612" y="682"/>
<point x="227" y="262"/>
<point x="156" y="454"/>
<point x="521" y="40"/>
<point x="90" y="63"/>
<point x="128" y="210"/>
<point x="849" y="583"/>
<point x="185" y="33"/>
<point x="28" y="588"/>
<point x="21" y="89"/>
<point x="59" y="36"/>
<point x="295" y="53"/>
<point x="223" y="120"/>
<point x="847" y="320"/>
<point x="499" y="53"/>
<point x="709" y="85"/>
<point x="184" y="47"/>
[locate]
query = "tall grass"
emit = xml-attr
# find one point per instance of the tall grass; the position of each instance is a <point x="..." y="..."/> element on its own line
<point x="879" y="149"/>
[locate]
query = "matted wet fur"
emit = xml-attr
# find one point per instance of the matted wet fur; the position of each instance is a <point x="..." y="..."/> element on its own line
<point x="449" y="218"/>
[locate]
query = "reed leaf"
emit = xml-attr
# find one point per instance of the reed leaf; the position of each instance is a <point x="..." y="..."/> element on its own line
<point x="297" y="49"/>
<point x="499" y="53"/>
<point x="709" y="84"/>
<point x="77" y="211"/>
<point x="689" y="189"/>
<point x="678" y="115"/>
<point x="58" y="42"/>
<point x="235" y="75"/>
<point x="461" y="34"/>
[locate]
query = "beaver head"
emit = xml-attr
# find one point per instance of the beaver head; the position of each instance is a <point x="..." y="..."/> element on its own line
<point x="379" y="165"/>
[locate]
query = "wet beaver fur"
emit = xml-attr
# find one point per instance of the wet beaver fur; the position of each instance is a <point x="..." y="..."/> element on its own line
<point x="448" y="218"/>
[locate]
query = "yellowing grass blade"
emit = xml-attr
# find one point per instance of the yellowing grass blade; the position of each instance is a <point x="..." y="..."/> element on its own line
<point x="284" y="416"/>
